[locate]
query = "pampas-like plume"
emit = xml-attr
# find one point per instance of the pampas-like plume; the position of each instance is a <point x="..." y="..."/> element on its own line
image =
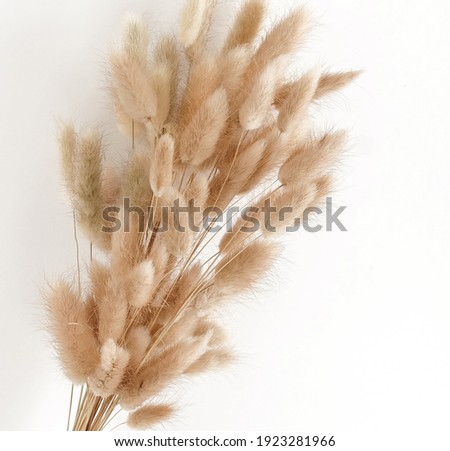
<point x="162" y="84"/>
<point x="246" y="164"/>
<point x="166" y="62"/>
<point x="146" y="416"/>
<point x="69" y="323"/>
<point x="161" y="165"/>
<point x="328" y="83"/>
<point x="256" y="108"/>
<point x="110" y="371"/>
<point x="232" y="67"/>
<point x="210" y="361"/>
<point x="240" y="270"/>
<point x="112" y="310"/>
<point x="312" y="158"/>
<point x="285" y="37"/>
<point x="178" y="237"/>
<point x="247" y="24"/>
<point x="203" y="79"/>
<point x="198" y="47"/>
<point x="88" y="180"/>
<point x="136" y="186"/>
<point x="293" y="110"/>
<point x="135" y="38"/>
<point x="141" y="283"/>
<point x="159" y="372"/>
<point x="67" y="141"/>
<point x="331" y="82"/>
<point x="131" y="75"/>
<point x="138" y="340"/>
<point x="281" y="41"/>
<point x="298" y="197"/>
<point x="136" y="95"/>
<point x="191" y="21"/>
<point x="230" y="183"/>
<point x="199" y="139"/>
<point x="81" y="162"/>
<point x="210" y="132"/>
<point x="278" y="147"/>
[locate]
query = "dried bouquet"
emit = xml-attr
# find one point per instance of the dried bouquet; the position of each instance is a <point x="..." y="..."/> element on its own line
<point x="208" y="130"/>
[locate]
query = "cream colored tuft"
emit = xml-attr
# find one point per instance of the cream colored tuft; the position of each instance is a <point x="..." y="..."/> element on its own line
<point x="191" y="21"/>
<point x="145" y="417"/>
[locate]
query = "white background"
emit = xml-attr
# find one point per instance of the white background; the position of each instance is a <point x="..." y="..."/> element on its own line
<point x="353" y="337"/>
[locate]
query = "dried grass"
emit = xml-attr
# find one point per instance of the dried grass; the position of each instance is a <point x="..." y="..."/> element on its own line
<point x="146" y="317"/>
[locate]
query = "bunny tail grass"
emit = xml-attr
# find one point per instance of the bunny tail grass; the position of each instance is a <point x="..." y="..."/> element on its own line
<point x="176" y="222"/>
<point x="146" y="416"/>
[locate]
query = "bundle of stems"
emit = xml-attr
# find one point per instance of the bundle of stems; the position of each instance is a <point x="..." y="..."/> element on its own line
<point x="208" y="129"/>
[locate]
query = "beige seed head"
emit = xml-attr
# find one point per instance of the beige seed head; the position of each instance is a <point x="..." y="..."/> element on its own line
<point x="141" y="283"/>
<point x="161" y="165"/>
<point x="311" y="159"/>
<point x="255" y="110"/>
<point x="246" y="25"/>
<point x="198" y="140"/>
<point x="191" y="21"/>
<point x="145" y="417"/>
<point x="241" y="269"/>
<point x="111" y="369"/>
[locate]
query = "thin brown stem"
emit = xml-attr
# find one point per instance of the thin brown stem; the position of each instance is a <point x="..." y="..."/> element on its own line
<point x="70" y="408"/>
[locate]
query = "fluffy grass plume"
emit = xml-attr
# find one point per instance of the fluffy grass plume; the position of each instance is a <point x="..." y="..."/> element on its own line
<point x="207" y="130"/>
<point x="247" y="24"/>
<point x="145" y="417"/>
